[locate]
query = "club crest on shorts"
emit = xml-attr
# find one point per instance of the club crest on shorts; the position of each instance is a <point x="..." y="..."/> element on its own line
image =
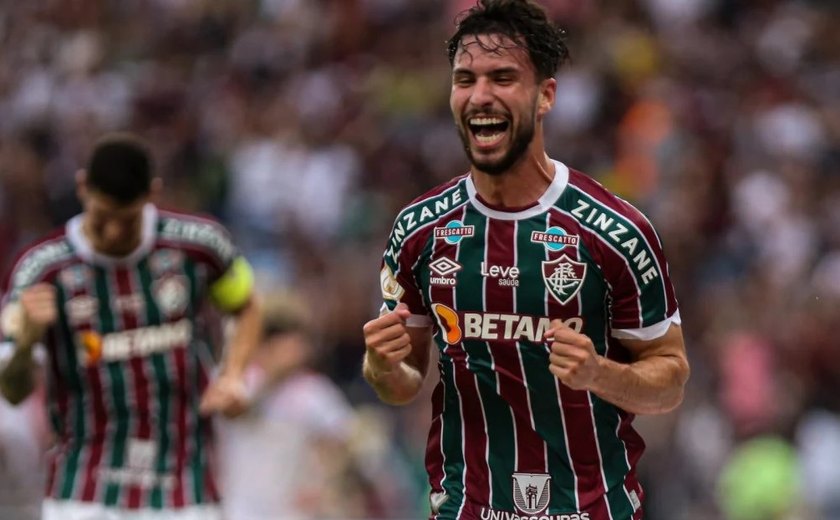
<point x="563" y="278"/>
<point x="531" y="492"/>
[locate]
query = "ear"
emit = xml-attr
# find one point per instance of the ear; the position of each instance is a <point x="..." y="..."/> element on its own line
<point x="547" y="96"/>
<point x="155" y="189"/>
<point x="81" y="184"/>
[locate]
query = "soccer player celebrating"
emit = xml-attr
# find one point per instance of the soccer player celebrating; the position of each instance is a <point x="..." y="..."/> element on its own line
<point x="117" y="298"/>
<point x="548" y="299"/>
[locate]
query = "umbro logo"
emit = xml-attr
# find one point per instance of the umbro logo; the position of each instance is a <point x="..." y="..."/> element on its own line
<point x="442" y="270"/>
<point x="444" y="266"/>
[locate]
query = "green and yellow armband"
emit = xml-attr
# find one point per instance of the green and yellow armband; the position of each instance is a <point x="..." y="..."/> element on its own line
<point x="232" y="290"/>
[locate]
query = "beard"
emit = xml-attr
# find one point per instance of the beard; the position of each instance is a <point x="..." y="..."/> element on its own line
<point x="519" y="145"/>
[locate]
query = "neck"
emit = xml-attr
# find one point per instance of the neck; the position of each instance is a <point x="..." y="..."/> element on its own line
<point x="520" y="186"/>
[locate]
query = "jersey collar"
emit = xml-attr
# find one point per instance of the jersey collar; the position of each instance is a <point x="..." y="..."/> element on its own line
<point x="86" y="252"/>
<point x="546" y="200"/>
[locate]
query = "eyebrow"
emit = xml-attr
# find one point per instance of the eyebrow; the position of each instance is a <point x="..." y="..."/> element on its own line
<point x="500" y="70"/>
<point x="505" y="70"/>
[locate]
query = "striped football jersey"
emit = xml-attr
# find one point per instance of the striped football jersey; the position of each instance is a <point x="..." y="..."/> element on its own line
<point x="129" y="360"/>
<point x="508" y="440"/>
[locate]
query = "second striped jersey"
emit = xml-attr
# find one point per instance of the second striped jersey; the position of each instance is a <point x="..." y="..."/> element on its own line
<point x="129" y="360"/>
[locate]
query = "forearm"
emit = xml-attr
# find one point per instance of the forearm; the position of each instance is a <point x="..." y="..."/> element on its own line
<point x="17" y="377"/>
<point x="648" y="386"/>
<point x="243" y="339"/>
<point x="398" y="386"/>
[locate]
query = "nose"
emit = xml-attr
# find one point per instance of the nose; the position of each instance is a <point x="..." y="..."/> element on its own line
<point x="482" y="93"/>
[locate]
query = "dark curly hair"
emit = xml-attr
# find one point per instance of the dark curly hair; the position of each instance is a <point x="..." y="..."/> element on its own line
<point x="524" y="22"/>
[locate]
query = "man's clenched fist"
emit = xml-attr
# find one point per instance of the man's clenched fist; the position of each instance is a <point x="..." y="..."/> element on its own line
<point x="572" y="356"/>
<point x="387" y="340"/>
<point x="27" y="319"/>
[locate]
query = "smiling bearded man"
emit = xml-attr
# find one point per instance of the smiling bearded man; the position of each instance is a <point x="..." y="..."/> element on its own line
<point x="547" y="297"/>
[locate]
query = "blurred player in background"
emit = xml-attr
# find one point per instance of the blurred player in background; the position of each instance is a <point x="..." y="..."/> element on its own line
<point x="24" y="439"/>
<point x="548" y="297"/>
<point x="287" y="457"/>
<point x="117" y="297"/>
<point x="301" y="452"/>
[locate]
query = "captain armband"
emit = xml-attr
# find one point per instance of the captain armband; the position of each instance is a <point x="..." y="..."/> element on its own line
<point x="234" y="288"/>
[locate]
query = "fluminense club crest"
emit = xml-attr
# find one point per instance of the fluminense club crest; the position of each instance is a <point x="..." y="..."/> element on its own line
<point x="531" y="492"/>
<point x="171" y="294"/>
<point x="563" y="278"/>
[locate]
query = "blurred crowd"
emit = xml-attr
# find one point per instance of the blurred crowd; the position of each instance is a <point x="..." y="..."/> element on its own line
<point x="305" y="124"/>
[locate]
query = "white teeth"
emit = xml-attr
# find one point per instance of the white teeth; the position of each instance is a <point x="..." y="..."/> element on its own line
<point x="487" y="139"/>
<point x="480" y="121"/>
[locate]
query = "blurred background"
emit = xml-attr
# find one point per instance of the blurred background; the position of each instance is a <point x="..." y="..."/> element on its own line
<point x="304" y="125"/>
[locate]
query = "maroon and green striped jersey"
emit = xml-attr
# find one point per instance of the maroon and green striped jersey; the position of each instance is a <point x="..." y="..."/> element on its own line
<point x="129" y="360"/>
<point x="508" y="440"/>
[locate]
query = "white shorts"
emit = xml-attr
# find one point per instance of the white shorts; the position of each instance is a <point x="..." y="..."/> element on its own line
<point x="72" y="510"/>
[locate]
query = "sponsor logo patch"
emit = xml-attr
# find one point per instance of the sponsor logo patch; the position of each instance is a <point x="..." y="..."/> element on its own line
<point x="531" y="492"/>
<point x="490" y="326"/>
<point x="165" y="261"/>
<point x="453" y="232"/>
<point x="202" y="233"/>
<point x="505" y="276"/>
<point x="138" y="466"/>
<point x="496" y="514"/>
<point x="119" y="346"/>
<point x="554" y="238"/>
<point x="81" y="309"/>
<point x="444" y="268"/>
<point x="391" y="288"/>
<point x="142" y="453"/>
<point x="629" y="242"/>
<point x="34" y="263"/>
<point x="75" y="277"/>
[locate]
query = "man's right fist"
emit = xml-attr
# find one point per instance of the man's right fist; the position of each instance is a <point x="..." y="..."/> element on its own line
<point x="27" y="319"/>
<point x="387" y="340"/>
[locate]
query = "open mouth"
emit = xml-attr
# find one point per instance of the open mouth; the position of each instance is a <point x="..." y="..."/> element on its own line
<point x="488" y="130"/>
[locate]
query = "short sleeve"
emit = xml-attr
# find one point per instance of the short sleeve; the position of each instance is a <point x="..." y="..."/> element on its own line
<point x="643" y="304"/>
<point x="398" y="283"/>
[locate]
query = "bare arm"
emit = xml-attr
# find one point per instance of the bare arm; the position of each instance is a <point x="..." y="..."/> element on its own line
<point x="227" y="393"/>
<point x="396" y="356"/>
<point x="653" y="382"/>
<point x="244" y="338"/>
